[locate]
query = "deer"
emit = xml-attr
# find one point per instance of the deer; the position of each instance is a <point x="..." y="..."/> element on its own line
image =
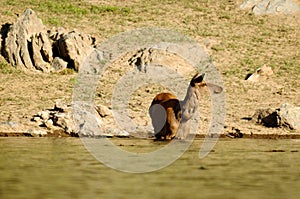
<point x="170" y="117"/>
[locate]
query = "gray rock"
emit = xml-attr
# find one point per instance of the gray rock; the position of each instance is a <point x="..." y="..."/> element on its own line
<point x="48" y="123"/>
<point x="290" y="116"/>
<point x="286" y="116"/>
<point x="261" y="74"/>
<point x="38" y="133"/>
<point x="18" y="42"/>
<point x="45" y="115"/>
<point x="103" y="110"/>
<point x="74" y="47"/>
<point x="56" y="33"/>
<point x="61" y="118"/>
<point x="41" y="52"/>
<point x="59" y="64"/>
<point x="29" y="46"/>
<point x="264" y="7"/>
<point x="142" y="58"/>
<point x="268" y="117"/>
<point x="62" y="107"/>
<point x="249" y="4"/>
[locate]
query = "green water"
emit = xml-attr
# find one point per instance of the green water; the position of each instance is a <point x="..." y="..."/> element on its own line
<point x="237" y="168"/>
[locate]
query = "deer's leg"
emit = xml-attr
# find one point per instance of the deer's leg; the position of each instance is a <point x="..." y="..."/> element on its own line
<point x="173" y="124"/>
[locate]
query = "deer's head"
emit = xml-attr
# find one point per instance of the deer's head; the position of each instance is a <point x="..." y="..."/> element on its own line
<point x="199" y="83"/>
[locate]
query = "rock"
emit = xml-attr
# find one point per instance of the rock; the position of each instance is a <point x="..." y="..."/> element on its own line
<point x="290" y="116"/>
<point x="38" y="133"/>
<point x="56" y="33"/>
<point x="61" y="106"/>
<point x="18" y="43"/>
<point x="3" y="34"/>
<point x="73" y="47"/>
<point x="45" y="115"/>
<point x="234" y="133"/>
<point x="264" y="7"/>
<point x="116" y="132"/>
<point x="60" y="118"/>
<point x="59" y="64"/>
<point x="41" y="52"/>
<point x="260" y="74"/>
<point x="27" y="45"/>
<point x="267" y="117"/>
<point x="142" y="58"/>
<point x="103" y="110"/>
<point x="48" y="123"/>
<point x="64" y="120"/>
<point x="286" y="116"/>
<point x="249" y="4"/>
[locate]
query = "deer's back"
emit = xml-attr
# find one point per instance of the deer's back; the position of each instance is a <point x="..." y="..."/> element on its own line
<point x="172" y="110"/>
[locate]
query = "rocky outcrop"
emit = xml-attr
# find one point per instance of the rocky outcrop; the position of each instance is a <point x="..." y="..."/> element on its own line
<point x="264" y="7"/>
<point x="28" y="45"/>
<point x="22" y="40"/>
<point x="286" y="116"/>
<point x="60" y="118"/>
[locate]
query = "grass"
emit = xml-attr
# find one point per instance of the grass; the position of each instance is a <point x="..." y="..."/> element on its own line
<point x="6" y="68"/>
<point x="239" y="31"/>
<point x="57" y="10"/>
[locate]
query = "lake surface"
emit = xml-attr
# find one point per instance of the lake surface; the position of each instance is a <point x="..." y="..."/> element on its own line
<point x="63" y="168"/>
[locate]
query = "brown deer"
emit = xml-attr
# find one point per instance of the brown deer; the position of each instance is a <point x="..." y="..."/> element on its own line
<point x="168" y="113"/>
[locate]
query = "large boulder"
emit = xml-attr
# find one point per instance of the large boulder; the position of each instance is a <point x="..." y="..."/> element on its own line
<point x="73" y="47"/>
<point x="290" y="114"/>
<point x="264" y="7"/>
<point x="25" y="41"/>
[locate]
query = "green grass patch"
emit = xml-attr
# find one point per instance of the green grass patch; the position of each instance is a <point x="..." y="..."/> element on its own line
<point x="6" y="68"/>
<point x="59" y="7"/>
<point x="95" y="9"/>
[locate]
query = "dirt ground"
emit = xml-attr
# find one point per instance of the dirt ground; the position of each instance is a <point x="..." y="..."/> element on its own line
<point x="238" y="42"/>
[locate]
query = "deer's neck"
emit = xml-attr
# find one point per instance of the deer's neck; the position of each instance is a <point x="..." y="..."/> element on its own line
<point x="190" y="103"/>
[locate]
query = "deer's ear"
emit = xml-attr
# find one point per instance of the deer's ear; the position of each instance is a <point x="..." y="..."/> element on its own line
<point x="214" y="88"/>
<point x="197" y="79"/>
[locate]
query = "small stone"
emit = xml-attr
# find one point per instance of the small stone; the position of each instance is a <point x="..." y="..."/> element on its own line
<point x="103" y="110"/>
<point x="38" y="133"/>
<point x="45" y="115"/>
<point x="49" y="123"/>
<point x="59" y="64"/>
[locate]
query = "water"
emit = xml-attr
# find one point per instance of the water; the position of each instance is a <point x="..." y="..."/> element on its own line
<point x="237" y="168"/>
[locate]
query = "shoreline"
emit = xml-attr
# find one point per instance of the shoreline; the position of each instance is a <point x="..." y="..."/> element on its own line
<point x="198" y="136"/>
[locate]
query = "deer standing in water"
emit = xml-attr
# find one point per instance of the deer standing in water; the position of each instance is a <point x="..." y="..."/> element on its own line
<point x="168" y="113"/>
